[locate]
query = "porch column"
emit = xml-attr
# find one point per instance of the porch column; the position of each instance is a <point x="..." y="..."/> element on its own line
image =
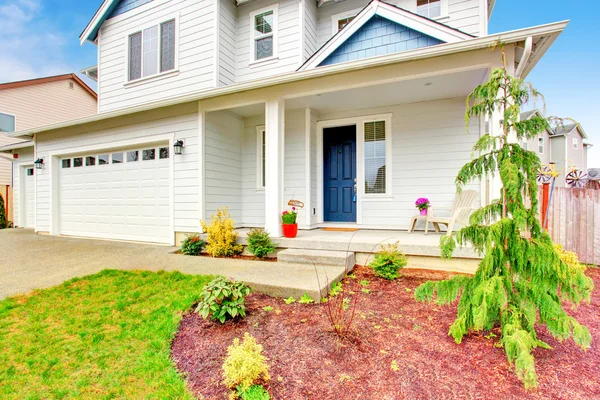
<point x="274" y="156"/>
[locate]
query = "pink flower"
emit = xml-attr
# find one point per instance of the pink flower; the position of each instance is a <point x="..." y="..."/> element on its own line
<point x="294" y="208"/>
<point x="285" y="212"/>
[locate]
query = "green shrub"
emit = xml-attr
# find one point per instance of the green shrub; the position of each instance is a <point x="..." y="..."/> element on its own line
<point x="222" y="236"/>
<point x="259" y="243"/>
<point x="192" y="245"/>
<point x="3" y="222"/>
<point x="223" y="299"/>
<point x="255" y="392"/>
<point x="245" y="366"/>
<point x="388" y="262"/>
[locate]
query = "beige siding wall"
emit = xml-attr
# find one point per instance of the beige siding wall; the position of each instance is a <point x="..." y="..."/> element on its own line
<point x="47" y="103"/>
<point x="42" y="104"/>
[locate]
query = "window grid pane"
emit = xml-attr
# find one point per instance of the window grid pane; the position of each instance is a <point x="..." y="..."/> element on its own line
<point x="66" y="163"/>
<point x="103" y="159"/>
<point x="135" y="56"/>
<point x="117" y="158"/>
<point x="7" y="123"/>
<point x="167" y="46"/>
<point x="343" y="22"/>
<point x="163" y="153"/>
<point x="78" y="162"/>
<point x="150" y="51"/>
<point x="263" y="23"/>
<point x="429" y="8"/>
<point x="133" y="156"/>
<point x="90" y="161"/>
<point x="375" y="162"/>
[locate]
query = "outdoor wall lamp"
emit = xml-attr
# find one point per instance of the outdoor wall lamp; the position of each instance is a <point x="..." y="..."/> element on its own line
<point x="39" y="163"/>
<point x="178" y="147"/>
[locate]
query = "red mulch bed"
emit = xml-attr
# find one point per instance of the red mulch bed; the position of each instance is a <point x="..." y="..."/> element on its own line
<point x="235" y="257"/>
<point x="307" y="361"/>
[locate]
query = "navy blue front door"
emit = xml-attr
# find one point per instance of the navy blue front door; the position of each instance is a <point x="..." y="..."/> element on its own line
<point x="339" y="173"/>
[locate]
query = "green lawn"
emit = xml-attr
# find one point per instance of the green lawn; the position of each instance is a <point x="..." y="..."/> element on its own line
<point x="103" y="336"/>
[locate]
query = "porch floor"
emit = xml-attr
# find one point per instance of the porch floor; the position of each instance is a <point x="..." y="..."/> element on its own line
<point x="367" y="241"/>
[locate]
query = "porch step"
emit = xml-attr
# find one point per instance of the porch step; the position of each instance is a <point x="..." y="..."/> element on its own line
<point x="341" y="259"/>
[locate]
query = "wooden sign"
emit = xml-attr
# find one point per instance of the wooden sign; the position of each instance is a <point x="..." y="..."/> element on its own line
<point x="296" y="203"/>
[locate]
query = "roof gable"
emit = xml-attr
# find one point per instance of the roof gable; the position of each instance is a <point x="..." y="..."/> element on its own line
<point x="379" y="36"/>
<point x="434" y="32"/>
<point x="108" y="9"/>
<point x="37" y="81"/>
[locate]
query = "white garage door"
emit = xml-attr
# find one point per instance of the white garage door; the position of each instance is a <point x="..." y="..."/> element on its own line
<point x="28" y="202"/>
<point x="118" y="195"/>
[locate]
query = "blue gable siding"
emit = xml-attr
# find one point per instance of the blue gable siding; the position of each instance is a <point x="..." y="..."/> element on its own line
<point x="127" y="5"/>
<point x="377" y="37"/>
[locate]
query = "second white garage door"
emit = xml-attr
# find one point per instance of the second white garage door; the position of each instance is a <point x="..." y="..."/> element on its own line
<point x="122" y="195"/>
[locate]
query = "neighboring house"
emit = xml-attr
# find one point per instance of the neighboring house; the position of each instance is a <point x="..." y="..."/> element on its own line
<point x="31" y="104"/>
<point x="565" y="146"/>
<point x="356" y="108"/>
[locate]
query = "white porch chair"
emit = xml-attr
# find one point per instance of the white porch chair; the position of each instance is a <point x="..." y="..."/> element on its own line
<point x="459" y="213"/>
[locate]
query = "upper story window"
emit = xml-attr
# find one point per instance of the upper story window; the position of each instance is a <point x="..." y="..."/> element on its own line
<point x="525" y="144"/>
<point x="429" y="8"/>
<point x="152" y="51"/>
<point x="7" y="122"/>
<point x="575" y="143"/>
<point x="541" y="145"/>
<point x="264" y="33"/>
<point x="341" y="23"/>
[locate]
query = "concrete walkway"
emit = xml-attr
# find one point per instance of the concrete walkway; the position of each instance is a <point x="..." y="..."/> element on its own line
<point x="29" y="261"/>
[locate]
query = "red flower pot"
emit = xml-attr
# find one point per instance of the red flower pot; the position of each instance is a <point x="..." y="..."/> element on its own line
<point x="290" y="230"/>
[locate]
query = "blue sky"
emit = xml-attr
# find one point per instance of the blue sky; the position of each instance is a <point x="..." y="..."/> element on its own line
<point x="40" y="38"/>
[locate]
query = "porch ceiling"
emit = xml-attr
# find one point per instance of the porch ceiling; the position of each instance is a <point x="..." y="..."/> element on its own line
<point x="402" y="92"/>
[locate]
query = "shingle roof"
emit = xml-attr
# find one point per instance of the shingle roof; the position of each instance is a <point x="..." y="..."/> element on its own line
<point x="564" y="129"/>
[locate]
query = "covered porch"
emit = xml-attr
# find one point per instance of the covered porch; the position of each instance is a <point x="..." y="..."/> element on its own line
<point x="357" y="156"/>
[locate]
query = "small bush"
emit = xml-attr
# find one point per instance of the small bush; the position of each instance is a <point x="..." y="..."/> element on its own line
<point x="3" y="222"/>
<point x="256" y="392"/>
<point x="192" y="245"/>
<point x="245" y="366"/>
<point x="222" y="236"/>
<point x="223" y="299"/>
<point x="388" y="262"/>
<point x="259" y="243"/>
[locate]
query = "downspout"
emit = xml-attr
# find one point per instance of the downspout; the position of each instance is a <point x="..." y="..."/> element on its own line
<point x="526" y="54"/>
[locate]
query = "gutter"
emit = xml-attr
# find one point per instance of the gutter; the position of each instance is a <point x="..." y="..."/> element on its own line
<point x="427" y="52"/>
<point x="525" y="56"/>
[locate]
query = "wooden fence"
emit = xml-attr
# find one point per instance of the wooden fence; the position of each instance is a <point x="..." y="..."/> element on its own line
<point x="574" y="221"/>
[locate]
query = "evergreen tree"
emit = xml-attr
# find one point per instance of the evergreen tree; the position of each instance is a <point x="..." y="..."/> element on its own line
<point x="3" y="223"/>
<point x="523" y="279"/>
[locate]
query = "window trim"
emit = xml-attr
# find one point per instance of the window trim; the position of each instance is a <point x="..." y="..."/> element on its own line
<point x="275" y="34"/>
<point x="541" y="144"/>
<point x="260" y="154"/>
<point x="336" y="18"/>
<point x="14" y="119"/>
<point x="173" y="71"/>
<point x="443" y="10"/>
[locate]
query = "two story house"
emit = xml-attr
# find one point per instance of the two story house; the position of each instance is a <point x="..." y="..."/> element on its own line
<point x="355" y="108"/>
<point x="31" y="104"/>
<point x="565" y="146"/>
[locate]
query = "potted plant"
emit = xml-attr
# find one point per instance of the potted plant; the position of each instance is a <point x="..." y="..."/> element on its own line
<point x="288" y="223"/>
<point x="422" y="204"/>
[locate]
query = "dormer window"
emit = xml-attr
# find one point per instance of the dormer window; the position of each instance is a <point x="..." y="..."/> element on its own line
<point x="152" y="51"/>
<point x="429" y="8"/>
<point x="264" y="33"/>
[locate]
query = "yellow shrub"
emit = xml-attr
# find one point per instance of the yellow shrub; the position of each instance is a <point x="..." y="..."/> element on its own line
<point x="222" y="236"/>
<point x="245" y="364"/>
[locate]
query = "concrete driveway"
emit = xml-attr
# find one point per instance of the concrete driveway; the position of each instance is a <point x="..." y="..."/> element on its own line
<point x="29" y="261"/>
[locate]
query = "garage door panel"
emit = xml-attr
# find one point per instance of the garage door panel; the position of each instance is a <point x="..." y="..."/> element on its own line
<point x="128" y="201"/>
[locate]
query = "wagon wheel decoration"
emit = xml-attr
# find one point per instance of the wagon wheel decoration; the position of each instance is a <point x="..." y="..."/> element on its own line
<point x="576" y="179"/>
<point x="544" y="174"/>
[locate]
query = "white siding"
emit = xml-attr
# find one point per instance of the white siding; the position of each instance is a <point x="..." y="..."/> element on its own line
<point x="227" y="43"/>
<point x="310" y="29"/>
<point x="25" y="158"/>
<point x="196" y="53"/>
<point x="223" y="163"/>
<point x="254" y="197"/>
<point x="288" y="31"/>
<point x="429" y="146"/>
<point x="181" y="122"/>
<point x="294" y="167"/>
<point x="462" y="14"/>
